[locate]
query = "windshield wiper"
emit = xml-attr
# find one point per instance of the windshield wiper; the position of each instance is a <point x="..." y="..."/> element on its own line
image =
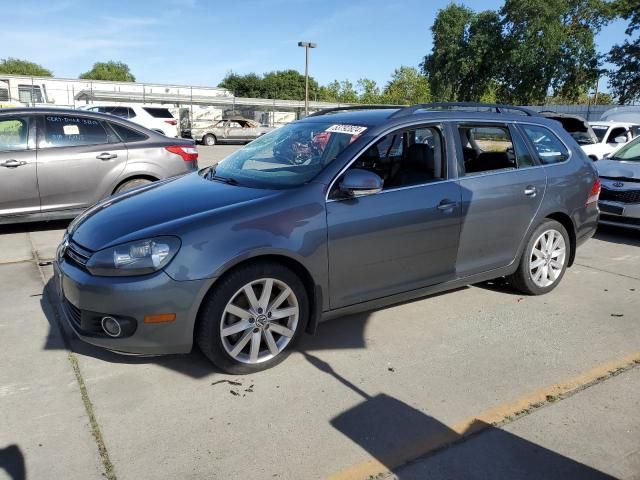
<point x="211" y="175"/>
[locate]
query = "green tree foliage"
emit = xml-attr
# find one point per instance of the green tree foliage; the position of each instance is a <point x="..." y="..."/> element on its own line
<point x="549" y="45"/>
<point x="518" y="54"/>
<point x="466" y="51"/>
<point x="624" y="80"/>
<point x="15" y="66"/>
<point x="113" y="71"/>
<point x="340" y="92"/>
<point x="407" y="86"/>
<point x="369" y="92"/>
<point x="283" y="84"/>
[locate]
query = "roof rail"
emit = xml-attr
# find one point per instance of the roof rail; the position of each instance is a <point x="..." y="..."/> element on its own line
<point x="499" y="108"/>
<point x="352" y="107"/>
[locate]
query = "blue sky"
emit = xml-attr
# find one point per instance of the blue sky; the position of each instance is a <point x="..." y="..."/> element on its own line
<point x="196" y="42"/>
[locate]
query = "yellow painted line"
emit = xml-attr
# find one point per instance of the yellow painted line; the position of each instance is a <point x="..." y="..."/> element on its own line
<point x="500" y="414"/>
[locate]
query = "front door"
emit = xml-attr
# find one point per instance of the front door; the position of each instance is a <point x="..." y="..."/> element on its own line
<point x="79" y="161"/>
<point x="18" y="170"/>
<point x="404" y="237"/>
<point x="502" y="188"/>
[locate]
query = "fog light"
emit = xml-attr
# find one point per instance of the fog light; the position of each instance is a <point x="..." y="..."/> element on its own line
<point x="111" y="326"/>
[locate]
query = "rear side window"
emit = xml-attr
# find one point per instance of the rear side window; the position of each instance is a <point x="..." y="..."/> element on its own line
<point x="123" y="112"/>
<point x="158" y="112"/>
<point x="549" y="147"/>
<point x="14" y="134"/>
<point x="72" y="131"/>
<point x="127" y="134"/>
<point x="486" y="148"/>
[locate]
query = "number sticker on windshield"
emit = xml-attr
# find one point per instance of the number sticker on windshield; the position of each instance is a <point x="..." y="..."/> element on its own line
<point x="350" y="129"/>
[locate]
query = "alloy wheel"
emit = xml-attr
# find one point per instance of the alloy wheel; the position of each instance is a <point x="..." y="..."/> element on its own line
<point x="547" y="258"/>
<point x="259" y="321"/>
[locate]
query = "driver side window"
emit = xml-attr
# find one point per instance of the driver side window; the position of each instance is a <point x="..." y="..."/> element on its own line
<point x="405" y="157"/>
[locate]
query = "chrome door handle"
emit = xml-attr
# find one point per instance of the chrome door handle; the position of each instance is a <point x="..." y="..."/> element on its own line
<point x="530" y="191"/>
<point x="13" y="163"/>
<point x="446" y="204"/>
<point x="106" y="156"/>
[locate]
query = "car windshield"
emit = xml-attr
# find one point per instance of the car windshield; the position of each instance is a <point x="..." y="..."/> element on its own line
<point x="600" y="132"/>
<point x="288" y="156"/>
<point x="629" y="153"/>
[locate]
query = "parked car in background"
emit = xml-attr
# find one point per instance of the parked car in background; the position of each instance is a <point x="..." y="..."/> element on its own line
<point x="626" y="113"/>
<point x="620" y="177"/>
<point x="346" y="210"/>
<point x="611" y="136"/>
<point x="232" y="130"/>
<point x="56" y="162"/>
<point x="158" y="119"/>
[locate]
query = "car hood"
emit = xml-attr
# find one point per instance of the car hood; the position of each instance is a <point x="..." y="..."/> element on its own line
<point x="158" y="209"/>
<point x="618" y="169"/>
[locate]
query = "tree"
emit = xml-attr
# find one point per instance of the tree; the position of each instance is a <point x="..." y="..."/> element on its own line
<point x="442" y="65"/>
<point x="249" y="85"/>
<point x="549" y="46"/>
<point x="624" y="80"/>
<point x="465" y="54"/>
<point x="114" y="71"/>
<point x="339" y="92"/>
<point x="369" y="92"/>
<point x="287" y="85"/>
<point x="407" y="86"/>
<point x="15" y="66"/>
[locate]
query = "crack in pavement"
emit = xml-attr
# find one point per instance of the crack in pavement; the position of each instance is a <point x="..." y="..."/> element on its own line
<point x="109" y="471"/>
<point x="607" y="271"/>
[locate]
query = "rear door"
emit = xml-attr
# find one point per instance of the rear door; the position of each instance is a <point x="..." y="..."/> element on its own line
<point x="502" y="188"/>
<point x="18" y="171"/>
<point x="79" y="161"/>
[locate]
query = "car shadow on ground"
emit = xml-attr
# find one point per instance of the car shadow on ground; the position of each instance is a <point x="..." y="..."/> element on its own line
<point x="12" y="462"/>
<point x="619" y="235"/>
<point x="396" y="434"/>
<point x="29" y="227"/>
<point x="341" y="333"/>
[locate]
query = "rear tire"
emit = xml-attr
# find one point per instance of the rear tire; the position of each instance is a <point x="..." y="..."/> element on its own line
<point x="544" y="260"/>
<point x="241" y="335"/>
<point x="209" y="140"/>
<point x="131" y="184"/>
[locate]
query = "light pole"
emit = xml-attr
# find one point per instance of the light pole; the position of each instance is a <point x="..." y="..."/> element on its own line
<point x="307" y="46"/>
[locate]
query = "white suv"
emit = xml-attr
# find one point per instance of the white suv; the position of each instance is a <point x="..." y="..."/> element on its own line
<point x="158" y="119"/>
<point x="611" y="136"/>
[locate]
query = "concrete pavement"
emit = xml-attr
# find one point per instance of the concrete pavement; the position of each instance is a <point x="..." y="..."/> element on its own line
<point x="364" y="385"/>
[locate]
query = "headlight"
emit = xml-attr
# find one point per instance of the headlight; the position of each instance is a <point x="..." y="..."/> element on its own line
<point x="134" y="258"/>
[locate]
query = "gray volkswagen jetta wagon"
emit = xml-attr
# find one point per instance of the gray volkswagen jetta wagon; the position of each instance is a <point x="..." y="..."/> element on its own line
<point x="346" y="210"/>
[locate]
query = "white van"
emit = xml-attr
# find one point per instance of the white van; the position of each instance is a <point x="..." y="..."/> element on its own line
<point x="156" y="118"/>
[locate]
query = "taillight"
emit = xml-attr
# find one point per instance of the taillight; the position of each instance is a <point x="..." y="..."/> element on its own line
<point x="594" y="194"/>
<point x="171" y="122"/>
<point x="188" y="154"/>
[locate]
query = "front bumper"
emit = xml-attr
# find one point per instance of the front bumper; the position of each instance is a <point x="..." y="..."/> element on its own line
<point x="620" y="214"/>
<point x="85" y="299"/>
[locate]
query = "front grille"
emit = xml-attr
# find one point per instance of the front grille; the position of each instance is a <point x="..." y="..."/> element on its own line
<point x="78" y="255"/>
<point x="623" y="196"/>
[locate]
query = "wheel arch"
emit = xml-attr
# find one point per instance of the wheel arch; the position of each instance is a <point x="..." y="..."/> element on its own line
<point x="314" y="292"/>
<point x="567" y="223"/>
<point x="141" y="176"/>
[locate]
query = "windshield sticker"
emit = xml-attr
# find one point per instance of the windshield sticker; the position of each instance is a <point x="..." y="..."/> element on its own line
<point x="350" y="129"/>
<point x="71" y="130"/>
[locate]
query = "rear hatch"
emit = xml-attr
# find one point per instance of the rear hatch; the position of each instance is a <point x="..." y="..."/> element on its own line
<point x="577" y="127"/>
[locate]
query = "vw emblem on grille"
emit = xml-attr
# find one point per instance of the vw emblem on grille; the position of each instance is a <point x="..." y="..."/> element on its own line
<point x="618" y="184"/>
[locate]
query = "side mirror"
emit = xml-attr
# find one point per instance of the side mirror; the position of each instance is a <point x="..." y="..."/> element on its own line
<point x="620" y="139"/>
<point x="358" y="182"/>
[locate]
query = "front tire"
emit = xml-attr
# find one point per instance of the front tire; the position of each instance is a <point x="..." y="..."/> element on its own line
<point x="252" y="318"/>
<point x="209" y="140"/>
<point x="544" y="260"/>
